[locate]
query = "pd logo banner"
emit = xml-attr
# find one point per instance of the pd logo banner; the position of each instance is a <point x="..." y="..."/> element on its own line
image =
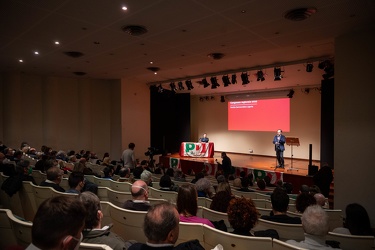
<point x="196" y="149"/>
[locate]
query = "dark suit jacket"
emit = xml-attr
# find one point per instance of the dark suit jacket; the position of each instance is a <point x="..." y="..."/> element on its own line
<point x="282" y="218"/>
<point x="52" y="185"/>
<point x="131" y="205"/>
<point x="281" y="142"/>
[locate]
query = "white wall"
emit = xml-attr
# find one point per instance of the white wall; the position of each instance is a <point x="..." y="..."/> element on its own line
<point x="211" y="117"/>
<point x="354" y="120"/>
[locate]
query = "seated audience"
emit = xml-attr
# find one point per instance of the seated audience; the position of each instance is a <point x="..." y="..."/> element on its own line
<point x="356" y="222"/>
<point x="58" y="224"/>
<point x="161" y="227"/>
<point x="221" y="199"/>
<point x="139" y="191"/>
<point x="321" y="200"/>
<point x="166" y="184"/>
<point x="108" y="172"/>
<point x="76" y="182"/>
<point x="93" y="231"/>
<point x="204" y="188"/>
<point x="262" y="185"/>
<point x="245" y="182"/>
<point x="54" y="177"/>
<point x="315" y="224"/>
<point x="179" y="176"/>
<point x="197" y="177"/>
<point x="303" y="201"/>
<point x="187" y="205"/>
<point x="13" y="184"/>
<point x="243" y="216"/>
<point x="314" y="189"/>
<point x="280" y="202"/>
<point x="146" y="176"/>
<point x="137" y="171"/>
<point x="237" y="183"/>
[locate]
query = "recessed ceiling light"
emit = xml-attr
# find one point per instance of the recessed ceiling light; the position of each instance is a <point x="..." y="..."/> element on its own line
<point x="151" y="62"/>
<point x="124" y="8"/>
<point x="20" y="60"/>
<point x="57" y="42"/>
<point x="155" y="73"/>
<point x="36" y="52"/>
<point x="243" y="11"/>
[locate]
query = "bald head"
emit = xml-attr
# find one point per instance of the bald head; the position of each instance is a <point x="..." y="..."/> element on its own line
<point x="320" y="199"/>
<point x="139" y="190"/>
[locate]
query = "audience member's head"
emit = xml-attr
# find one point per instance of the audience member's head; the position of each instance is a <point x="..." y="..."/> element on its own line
<point x="124" y="172"/>
<point x="94" y="214"/>
<point x="204" y="185"/>
<point x="245" y="182"/>
<point x="161" y="224"/>
<point x="22" y="167"/>
<point x="165" y="181"/>
<point x="237" y="183"/>
<point x="279" y="200"/>
<point x="170" y="172"/>
<point x="146" y="176"/>
<point x="357" y="220"/>
<point x="288" y="187"/>
<point x="137" y="172"/>
<point x="58" y="223"/>
<point x="108" y="172"/>
<point x="139" y="190"/>
<point x="315" y="221"/>
<point x="261" y="184"/>
<point x="314" y="189"/>
<point x="320" y="199"/>
<point x="242" y="214"/>
<point x="242" y="174"/>
<point x="304" y="189"/>
<point x="76" y="180"/>
<point x="304" y="200"/>
<point x="220" y="178"/>
<point x="224" y="186"/>
<point x="55" y="174"/>
<point x="187" y="200"/>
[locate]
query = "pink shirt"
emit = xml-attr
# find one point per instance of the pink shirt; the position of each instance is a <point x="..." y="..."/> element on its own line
<point x="195" y="219"/>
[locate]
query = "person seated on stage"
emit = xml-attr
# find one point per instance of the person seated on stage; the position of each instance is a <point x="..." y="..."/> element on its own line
<point x="166" y="184"/>
<point x="93" y="231"/>
<point x="204" y="188"/>
<point x="321" y="200"/>
<point x="54" y="177"/>
<point x="280" y="202"/>
<point x="204" y="138"/>
<point x="187" y="205"/>
<point x="76" y="182"/>
<point x="243" y="216"/>
<point x="304" y="200"/>
<point x="139" y="191"/>
<point x="315" y="225"/>
<point x="58" y="224"/>
<point x="356" y="222"/>
<point x="221" y="199"/>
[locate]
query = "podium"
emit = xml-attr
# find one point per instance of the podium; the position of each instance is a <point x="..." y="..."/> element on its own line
<point x="197" y="149"/>
<point x="292" y="141"/>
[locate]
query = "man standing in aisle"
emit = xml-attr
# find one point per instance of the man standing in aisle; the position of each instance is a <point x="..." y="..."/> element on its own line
<point x="279" y="141"/>
<point x="128" y="157"/>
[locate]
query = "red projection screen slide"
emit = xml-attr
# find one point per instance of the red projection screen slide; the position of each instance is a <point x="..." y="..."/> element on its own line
<point x="259" y="115"/>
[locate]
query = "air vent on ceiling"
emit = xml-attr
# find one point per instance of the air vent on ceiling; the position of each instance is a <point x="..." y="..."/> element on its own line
<point x="74" y="54"/>
<point x="299" y="14"/>
<point x="134" y="30"/>
<point x="216" y="56"/>
<point x="79" y="73"/>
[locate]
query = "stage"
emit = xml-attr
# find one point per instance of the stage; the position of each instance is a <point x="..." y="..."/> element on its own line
<point x="295" y="171"/>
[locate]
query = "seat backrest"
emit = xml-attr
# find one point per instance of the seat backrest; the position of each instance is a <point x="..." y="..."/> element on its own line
<point x="285" y="231"/>
<point x="334" y="218"/>
<point x="263" y="196"/>
<point x="213" y="236"/>
<point x="251" y="195"/>
<point x="154" y="201"/>
<point x="352" y="241"/>
<point x="170" y="196"/>
<point x="90" y="246"/>
<point x="120" y="186"/>
<point x="128" y="223"/>
<point x="213" y="215"/>
<point x="261" y="203"/>
<point x="6" y="230"/>
<point x="264" y="211"/>
<point x="106" y="213"/>
<point x="102" y="182"/>
<point x="281" y="245"/>
<point x="103" y="193"/>
<point x="64" y="184"/>
<point x="204" y="202"/>
<point x="118" y="198"/>
<point x="190" y="231"/>
<point x="21" y="229"/>
<point x="38" y="176"/>
<point x="28" y="203"/>
<point x="41" y="193"/>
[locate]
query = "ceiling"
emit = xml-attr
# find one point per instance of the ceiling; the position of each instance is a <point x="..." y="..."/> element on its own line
<point x="252" y="35"/>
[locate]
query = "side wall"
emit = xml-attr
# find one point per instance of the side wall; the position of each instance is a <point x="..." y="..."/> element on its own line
<point x="354" y="121"/>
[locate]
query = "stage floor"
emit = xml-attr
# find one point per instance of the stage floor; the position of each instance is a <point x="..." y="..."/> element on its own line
<point x="297" y="167"/>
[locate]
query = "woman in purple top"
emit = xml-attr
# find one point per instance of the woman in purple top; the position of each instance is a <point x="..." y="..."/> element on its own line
<point x="187" y="205"/>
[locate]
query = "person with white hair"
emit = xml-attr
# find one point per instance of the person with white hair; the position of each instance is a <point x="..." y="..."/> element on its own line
<point x="321" y="200"/>
<point x="146" y="176"/>
<point x="315" y="224"/>
<point x="204" y="188"/>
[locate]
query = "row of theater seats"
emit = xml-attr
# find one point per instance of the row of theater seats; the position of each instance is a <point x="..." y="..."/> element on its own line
<point x="128" y="224"/>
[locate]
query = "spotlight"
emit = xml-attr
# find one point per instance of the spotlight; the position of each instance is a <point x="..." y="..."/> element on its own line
<point x="180" y="86"/>
<point x="173" y="87"/>
<point x="160" y="89"/>
<point x="277" y="73"/>
<point x="291" y="93"/>
<point x="226" y="80"/>
<point x="189" y="85"/>
<point x="205" y="83"/>
<point x="214" y="83"/>
<point x="234" y="79"/>
<point x="309" y="67"/>
<point x="245" y="78"/>
<point x="222" y="99"/>
<point x="260" y="76"/>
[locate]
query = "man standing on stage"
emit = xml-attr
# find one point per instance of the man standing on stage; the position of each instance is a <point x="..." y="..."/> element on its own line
<point x="279" y="141"/>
